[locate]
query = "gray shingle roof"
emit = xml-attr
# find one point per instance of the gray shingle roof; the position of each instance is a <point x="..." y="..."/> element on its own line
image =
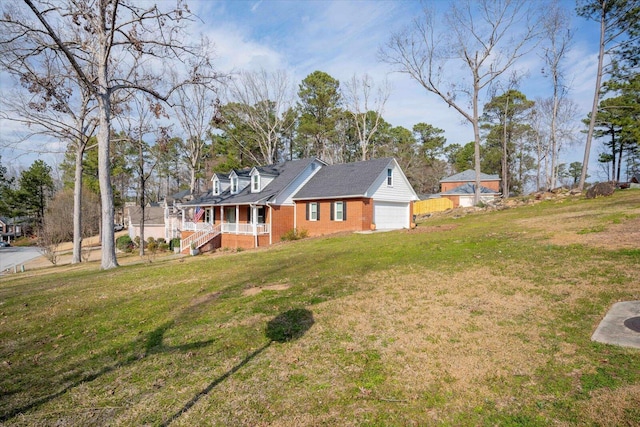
<point x="470" y="175"/>
<point x="343" y="180"/>
<point x="285" y="172"/>
<point x="153" y="215"/>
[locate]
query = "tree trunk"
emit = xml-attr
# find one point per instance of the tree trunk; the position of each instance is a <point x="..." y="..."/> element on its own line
<point x="594" y="107"/>
<point x="505" y="153"/>
<point x="77" y="207"/>
<point x="142" y="196"/>
<point x="617" y="179"/>
<point x="554" y="148"/>
<point x="476" y="136"/>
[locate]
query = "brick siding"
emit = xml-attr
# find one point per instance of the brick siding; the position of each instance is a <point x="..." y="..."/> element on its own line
<point x="359" y="216"/>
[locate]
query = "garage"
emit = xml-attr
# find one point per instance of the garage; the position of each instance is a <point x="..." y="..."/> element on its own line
<point x="390" y="215"/>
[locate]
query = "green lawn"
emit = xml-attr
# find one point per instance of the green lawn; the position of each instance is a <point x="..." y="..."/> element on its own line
<point x="483" y="319"/>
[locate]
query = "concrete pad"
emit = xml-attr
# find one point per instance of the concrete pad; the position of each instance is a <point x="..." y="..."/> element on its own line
<point x="620" y="326"/>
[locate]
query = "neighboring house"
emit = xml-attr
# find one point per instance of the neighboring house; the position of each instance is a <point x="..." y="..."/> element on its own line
<point x="10" y="229"/>
<point x="460" y="188"/>
<point x="635" y="181"/>
<point x="154" y="222"/>
<point x="256" y="207"/>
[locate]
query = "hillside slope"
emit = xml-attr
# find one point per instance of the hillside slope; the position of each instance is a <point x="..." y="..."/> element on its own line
<point x="478" y="320"/>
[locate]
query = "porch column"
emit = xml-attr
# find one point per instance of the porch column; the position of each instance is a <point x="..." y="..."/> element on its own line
<point x="254" y="220"/>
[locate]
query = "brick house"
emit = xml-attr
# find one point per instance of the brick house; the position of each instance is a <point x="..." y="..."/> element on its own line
<point x="460" y="188"/>
<point x="256" y="207"/>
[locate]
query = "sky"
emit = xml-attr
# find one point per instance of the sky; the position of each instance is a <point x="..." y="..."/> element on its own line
<point x="343" y="38"/>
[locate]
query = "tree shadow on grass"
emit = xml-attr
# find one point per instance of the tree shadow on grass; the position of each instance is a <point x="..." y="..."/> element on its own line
<point x="153" y="344"/>
<point x="285" y="327"/>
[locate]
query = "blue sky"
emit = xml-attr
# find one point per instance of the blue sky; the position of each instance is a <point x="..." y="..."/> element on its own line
<point x="342" y="38"/>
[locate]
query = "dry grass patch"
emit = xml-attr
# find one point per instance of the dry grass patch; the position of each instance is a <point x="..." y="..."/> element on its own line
<point x="613" y="408"/>
<point x="455" y="335"/>
<point x="612" y="223"/>
<point x="255" y="290"/>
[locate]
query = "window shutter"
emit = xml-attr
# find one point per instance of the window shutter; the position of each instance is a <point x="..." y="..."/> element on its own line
<point x="249" y="213"/>
<point x="333" y="208"/>
<point x="318" y="211"/>
<point x="308" y="208"/>
<point x="344" y="211"/>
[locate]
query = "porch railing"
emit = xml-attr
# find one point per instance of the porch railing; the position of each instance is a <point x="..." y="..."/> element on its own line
<point x="236" y="228"/>
<point x="194" y="226"/>
<point x="201" y="236"/>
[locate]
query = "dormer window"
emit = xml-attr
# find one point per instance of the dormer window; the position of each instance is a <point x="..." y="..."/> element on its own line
<point x="389" y="177"/>
<point x="216" y="186"/>
<point x="255" y="183"/>
<point x="234" y="185"/>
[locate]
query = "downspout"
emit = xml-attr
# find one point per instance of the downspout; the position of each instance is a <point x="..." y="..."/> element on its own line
<point x="270" y="225"/>
<point x="295" y="216"/>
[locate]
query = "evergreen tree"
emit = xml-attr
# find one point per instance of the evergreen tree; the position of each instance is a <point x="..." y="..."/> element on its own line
<point x="505" y="121"/>
<point x="36" y="188"/>
<point x="319" y="113"/>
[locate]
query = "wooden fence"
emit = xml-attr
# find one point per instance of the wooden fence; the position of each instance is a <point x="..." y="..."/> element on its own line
<point x="422" y="207"/>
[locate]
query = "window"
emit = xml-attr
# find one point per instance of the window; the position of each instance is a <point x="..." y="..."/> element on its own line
<point x="339" y="211"/>
<point x="255" y="183"/>
<point x="209" y="215"/>
<point x="216" y="186"/>
<point x="234" y="185"/>
<point x="260" y="213"/>
<point x="389" y="177"/>
<point x="313" y="211"/>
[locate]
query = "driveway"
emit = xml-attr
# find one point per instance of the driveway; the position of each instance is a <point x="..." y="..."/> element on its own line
<point x="16" y="256"/>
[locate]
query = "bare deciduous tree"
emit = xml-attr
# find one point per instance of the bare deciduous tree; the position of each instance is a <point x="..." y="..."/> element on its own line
<point x="110" y="45"/>
<point x="53" y="105"/>
<point x="195" y="107"/>
<point x="558" y="36"/>
<point x="261" y="100"/>
<point x="137" y="125"/>
<point x="485" y="37"/>
<point x="362" y="98"/>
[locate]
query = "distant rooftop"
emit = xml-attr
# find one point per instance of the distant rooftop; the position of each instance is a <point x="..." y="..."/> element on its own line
<point x="470" y="188"/>
<point x="470" y="175"/>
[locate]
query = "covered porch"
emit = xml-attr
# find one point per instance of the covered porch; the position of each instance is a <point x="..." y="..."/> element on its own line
<point x="244" y="226"/>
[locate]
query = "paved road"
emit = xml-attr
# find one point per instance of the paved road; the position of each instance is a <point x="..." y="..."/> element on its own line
<point x="16" y="256"/>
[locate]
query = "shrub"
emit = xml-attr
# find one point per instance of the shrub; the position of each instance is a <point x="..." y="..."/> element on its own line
<point x="160" y="240"/>
<point x="174" y="243"/>
<point x="163" y="247"/>
<point x="124" y="243"/>
<point x="152" y="245"/>
<point x="294" y="234"/>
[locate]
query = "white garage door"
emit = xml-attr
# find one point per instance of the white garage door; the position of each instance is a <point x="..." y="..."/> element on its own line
<point x="390" y="215"/>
